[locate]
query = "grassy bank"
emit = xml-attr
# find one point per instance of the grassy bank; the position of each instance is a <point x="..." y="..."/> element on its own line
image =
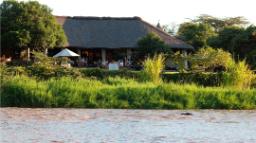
<point x="22" y="91"/>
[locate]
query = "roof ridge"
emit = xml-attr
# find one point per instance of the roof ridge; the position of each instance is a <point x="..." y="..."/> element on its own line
<point x="101" y="18"/>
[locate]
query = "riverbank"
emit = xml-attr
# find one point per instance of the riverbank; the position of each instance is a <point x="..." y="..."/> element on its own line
<point x="22" y="91"/>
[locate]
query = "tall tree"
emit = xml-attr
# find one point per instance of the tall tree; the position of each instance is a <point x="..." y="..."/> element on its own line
<point x="220" y="23"/>
<point x="29" y="25"/>
<point x="241" y="42"/>
<point x="230" y="34"/>
<point x="195" y="34"/>
<point x="227" y="38"/>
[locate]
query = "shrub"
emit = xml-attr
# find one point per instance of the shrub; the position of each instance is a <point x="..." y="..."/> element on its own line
<point x="239" y="75"/>
<point x="3" y="70"/>
<point x="210" y="59"/>
<point x="202" y="78"/>
<point x="104" y="73"/>
<point x="12" y="70"/>
<point x="153" y="68"/>
<point x="45" y="67"/>
<point x="180" y="59"/>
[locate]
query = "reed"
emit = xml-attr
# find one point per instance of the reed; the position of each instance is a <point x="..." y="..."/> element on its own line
<point x="153" y="68"/>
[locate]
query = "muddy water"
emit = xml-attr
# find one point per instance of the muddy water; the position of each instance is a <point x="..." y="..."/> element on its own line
<point x="25" y="125"/>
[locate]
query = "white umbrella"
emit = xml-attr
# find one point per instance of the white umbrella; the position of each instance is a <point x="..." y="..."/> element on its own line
<point x="66" y="53"/>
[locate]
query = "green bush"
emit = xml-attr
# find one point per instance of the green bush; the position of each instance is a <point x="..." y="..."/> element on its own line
<point x="13" y="70"/>
<point x="3" y="70"/>
<point x="210" y="59"/>
<point x="239" y="76"/>
<point x="202" y="79"/>
<point x="99" y="73"/>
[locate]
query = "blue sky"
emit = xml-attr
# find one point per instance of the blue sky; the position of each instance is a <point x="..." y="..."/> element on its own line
<point x="165" y="11"/>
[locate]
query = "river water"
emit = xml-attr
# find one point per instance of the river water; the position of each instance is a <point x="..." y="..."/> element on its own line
<point x="43" y="125"/>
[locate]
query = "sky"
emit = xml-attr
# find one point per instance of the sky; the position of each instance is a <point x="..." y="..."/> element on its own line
<point x="154" y="11"/>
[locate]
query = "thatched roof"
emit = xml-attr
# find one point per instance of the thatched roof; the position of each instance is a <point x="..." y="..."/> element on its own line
<point x="108" y="32"/>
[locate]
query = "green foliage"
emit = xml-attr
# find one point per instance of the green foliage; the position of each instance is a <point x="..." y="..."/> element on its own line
<point x="153" y="68"/>
<point x="196" y="34"/>
<point x="179" y="59"/>
<point x="220" y="23"/>
<point x="45" y="67"/>
<point x="206" y="79"/>
<point x="21" y="91"/>
<point x="150" y="45"/>
<point x="228" y="38"/>
<point x="100" y="74"/>
<point x="240" y="76"/>
<point x="29" y="24"/>
<point x="239" y="41"/>
<point x="210" y="59"/>
<point x="3" y="70"/>
<point x="9" y="71"/>
<point x="230" y="34"/>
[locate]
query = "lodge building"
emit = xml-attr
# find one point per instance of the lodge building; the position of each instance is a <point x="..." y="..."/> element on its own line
<point x="99" y="39"/>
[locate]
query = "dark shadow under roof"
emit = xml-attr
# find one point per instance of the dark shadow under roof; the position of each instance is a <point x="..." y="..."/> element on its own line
<point x="108" y="32"/>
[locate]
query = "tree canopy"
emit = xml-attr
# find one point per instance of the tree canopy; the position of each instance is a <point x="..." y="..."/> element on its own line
<point x="231" y="34"/>
<point x="241" y="42"/>
<point x="209" y="58"/>
<point x="196" y="34"/>
<point x="29" y="25"/>
<point x="151" y="44"/>
<point x="220" y="23"/>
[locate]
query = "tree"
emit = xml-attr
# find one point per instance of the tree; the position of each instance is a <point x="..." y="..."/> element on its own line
<point x="216" y="23"/>
<point x="230" y="34"/>
<point x="211" y="59"/>
<point x="241" y="42"/>
<point x="196" y="34"/>
<point x="248" y="46"/>
<point x="29" y="25"/>
<point x="227" y="38"/>
<point x="220" y="23"/>
<point x="151" y="45"/>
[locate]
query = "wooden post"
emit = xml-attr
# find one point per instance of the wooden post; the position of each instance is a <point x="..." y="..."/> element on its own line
<point x="103" y="57"/>
<point x="184" y="52"/>
<point x="79" y="53"/>
<point x="28" y="54"/>
<point x="46" y="51"/>
<point x="129" y="55"/>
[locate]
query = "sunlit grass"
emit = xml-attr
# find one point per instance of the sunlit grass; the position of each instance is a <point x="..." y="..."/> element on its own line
<point x="118" y="92"/>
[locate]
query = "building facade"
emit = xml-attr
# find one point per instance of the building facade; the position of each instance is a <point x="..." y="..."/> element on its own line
<point x="100" y="40"/>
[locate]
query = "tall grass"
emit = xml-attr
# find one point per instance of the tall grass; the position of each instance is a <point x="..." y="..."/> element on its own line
<point x="21" y="91"/>
<point x="153" y="68"/>
<point x="239" y="75"/>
